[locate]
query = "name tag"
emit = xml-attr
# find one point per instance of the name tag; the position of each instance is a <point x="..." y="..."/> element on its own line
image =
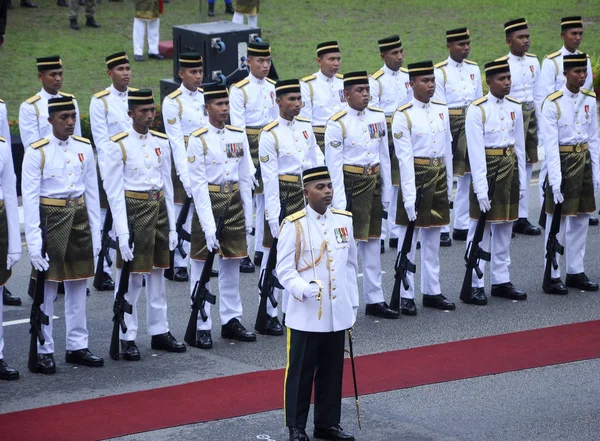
<point x="376" y="130"/>
<point x="341" y="235"/>
<point x="234" y="150"/>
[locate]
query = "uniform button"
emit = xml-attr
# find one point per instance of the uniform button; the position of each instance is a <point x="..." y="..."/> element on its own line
<point x="214" y="162"/>
<point x="70" y="173"/>
<point x="68" y="161"/>
<point x="227" y="173"/>
<point x="147" y="166"/>
<point x="333" y="289"/>
<point x="333" y="278"/>
<point x="329" y="250"/>
<point x="146" y="155"/>
<point x="226" y="162"/>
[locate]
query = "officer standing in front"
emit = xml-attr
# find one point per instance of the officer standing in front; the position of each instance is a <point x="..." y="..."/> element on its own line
<point x="60" y="195"/>
<point x="358" y="158"/>
<point x="140" y="194"/>
<point x="220" y="174"/>
<point x="496" y="147"/>
<point x="421" y="133"/>
<point x="253" y="106"/>
<point x="317" y="266"/>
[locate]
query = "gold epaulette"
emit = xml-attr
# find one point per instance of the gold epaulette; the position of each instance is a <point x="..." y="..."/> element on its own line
<point x="133" y="89"/>
<point x="377" y="74"/>
<point x="510" y="98"/>
<point x="119" y="136"/>
<point x="33" y="99"/>
<point x="530" y="55"/>
<point x="175" y="94"/>
<point x="504" y="58"/>
<point x="554" y="96"/>
<point x="438" y="102"/>
<point x="404" y="107"/>
<point x="553" y="55"/>
<point x="102" y="93"/>
<point x="159" y="134"/>
<point x="2" y="139"/>
<point x="470" y="62"/>
<point x="234" y="128"/>
<point x="65" y="94"/>
<point x="441" y="64"/>
<point x="1" y="100"/>
<point x="271" y="81"/>
<point x="338" y="115"/>
<point x="404" y="69"/>
<point x="375" y="109"/>
<point x="199" y="132"/>
<point x="297" y="215"/>
<point x="200" y="89"/>
<point x="42" y="142"/>
<point x="309" y="78"/>
<point x="588" y="93"/>
<point x="342" y="212"/>
<point x="299" y="118"/>
<point x="339" y="75"/>
<point x="242" y="83"/>
<point x="270" y="126"/>
<point x="81" y="138"/>
<point x="480" y="101"/>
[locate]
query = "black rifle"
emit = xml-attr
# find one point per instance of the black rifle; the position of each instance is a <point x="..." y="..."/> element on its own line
<point x="121" y="306"/>
<point x="474" y="253"/>
<point x="552" y="245"/>
<point x="349" y="195"/>
<point x="181" y="236"/>
<point x="201" y="294"/>
<point x="106" y="244"/>
<point x="403" y="264"/>
<point x="542" y="219"/>
<point x="38" y="318"/>
<point x="268" y="281"/>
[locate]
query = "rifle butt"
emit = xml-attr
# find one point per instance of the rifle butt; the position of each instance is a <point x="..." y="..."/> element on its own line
<point x="261" y="316"/>
<point x="114" y="350"/>
<point x="465" y="291"/>
<point x="395" y="300"/>
<point x="33" y="352"/>
<point x="190" y="332"/>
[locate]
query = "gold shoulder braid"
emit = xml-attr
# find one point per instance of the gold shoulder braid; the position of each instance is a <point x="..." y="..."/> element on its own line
<point x="301" y="244"/>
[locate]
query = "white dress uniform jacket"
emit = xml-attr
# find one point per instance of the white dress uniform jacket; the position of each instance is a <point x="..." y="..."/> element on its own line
<point x="457" y="84"/>
<point x="253" y="102"/>
<point x="337" y="270"/>
<point x="322" y="97"/>
<point x="525" y="74"/>
<point x="552" y="77"/>
<point x="390" y="89"/>
<point x="8" y="194"/>
<point x="4" y="126"/>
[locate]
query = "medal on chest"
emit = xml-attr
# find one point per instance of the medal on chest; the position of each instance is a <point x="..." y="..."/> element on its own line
<point x="512" y="115"/>
<point x="158" y="152"/>
<point x="305" y="133"/>
<point x="341" y="235"/>
<point x="376" y="130"/>
<point x="341" y="93"/>
<point x="234" y="150"/>
<point x="472" y="77"/>
<point x="532" y="69"/>
<point x="441" y="116"/>
<point x="81" y="157"/>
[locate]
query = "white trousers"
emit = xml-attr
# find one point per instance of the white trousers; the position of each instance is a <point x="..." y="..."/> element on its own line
<point x="430" y="261"/>
<point x="389" y="224"/>
<point x="461" y="202"/>
<point x="178" y="261"/>
<point x="259" y="233"/>
<point x="239" y="19"/>
<point x="230" y="302"/>
<point x="139" y="33"/>
<point x="524" y="202"/>
<point x="156" y="303"/>
<point x="572" y="235"/>
<point x="500" y="250"/>
<point x="75" y="315"/>
<point x="369" y="252"/>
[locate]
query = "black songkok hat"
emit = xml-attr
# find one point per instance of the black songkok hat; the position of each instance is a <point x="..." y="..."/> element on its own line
<point x="48" y="63"/>
<point x="515" y="25"/>
<point x="315" y="174"/>
<point x="61" y="103"/>
<point x="420" y="69"/>
<point x="117" y="59"/>
<point x="457" y="35"/>
<point x="215" y="92"/>
<point x="140" y="97"/>
<point x="575" y="60"/>
<point x="496" y="67"/>
<point x="190" y="59"/>
<point x="389" y="43"/>
<point x="353" y="78"/>
<point x="287" y="86"/>
<point x="259" y="49"/>
<point x="571" y="22"/>
<point x="327" y="48"/>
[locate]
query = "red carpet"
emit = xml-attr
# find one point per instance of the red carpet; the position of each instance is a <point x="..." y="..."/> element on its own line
<point x="95" y="419"/>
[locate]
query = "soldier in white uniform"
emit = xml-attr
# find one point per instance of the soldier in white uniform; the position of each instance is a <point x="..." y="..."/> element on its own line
<point x="140" y="194"/>
<point x="183" y="112"/>
<point x="108" y="117"/>
<point x="286" y="148"/>
<point x="323" y="91"/>
<point x="358" y="158"/>
<point x="317" y="265"/>
<point x="390" y="89"/>
<point x="525" y="73"/>
<point x="60" y="195"/>
<point x="458" y="83"/>
<point x="496" y="143"/>
<point x="33" y="113"/>
<point x="218" y="160"/>
<point x="10" y="236"/>
<point x="423" y="147"/>
<point x="569" y="121"/>
<point x="253" y="106"/>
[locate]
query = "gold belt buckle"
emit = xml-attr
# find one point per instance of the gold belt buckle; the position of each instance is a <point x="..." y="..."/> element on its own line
<point x="435" y="161"/>
<point x="508" y="151"/>
<point x="578" y="148"/>
<point x="226" y="187"/>
<point x="70" y="202"/>
<point x="152" y="194"/>
<point x="368" y="170"/>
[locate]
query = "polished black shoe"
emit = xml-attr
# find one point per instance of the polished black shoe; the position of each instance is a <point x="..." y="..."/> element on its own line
<point x="203" y="340"/>
<point x="74" y="24"/>
<point x="246" y="265"/>
<point x="407" y="306"/>
<point x="523" y="226"/>
<point x="581" y="282"/>
<point x="381" y="310"/>
<point x="508" y="291"/>
<point x="107" y="283"/>
<point x="45" y="364"/>
<point x="91" y="22"/>
<point x="478" y="297"/>
<point x="258" y="257"/>
<point x="9" y="300"/>
<point x="130" y="350"/>
<point x="333" y="433"/>
<point x="556" y="287"/>
<point x="156" y="56"/>
<point x="166" y="342"/>
<point x="458" y="234"/>
<point x="138" y="57"/>
<point x="211" y="9"/>
<point x="7" y="373"/>
<point x="62" y="3"/>
<point x="445" y="240"/>
<point x="297" y="434"/>
<point x="273" y="327"/>
<point x="382" y="247"/>
<point x="438" y="301"/>
<point x="229" y="9"/>
<point x="28" y="4"/>
<point x="393" y="242"/>
<point x="593" y="221"/>
<point x="235" y="330"/>
<point x="180" y="274"/>
<point x="84" y="357"/>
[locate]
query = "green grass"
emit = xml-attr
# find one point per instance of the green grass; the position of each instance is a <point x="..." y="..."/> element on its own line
<point x="292" y="26"/>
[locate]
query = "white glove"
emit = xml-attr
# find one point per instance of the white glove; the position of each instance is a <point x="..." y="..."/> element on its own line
<point x="187" y="187"/>
<point x="311" y="290"/>
<point x="96" y="252"/>
<point x="126" y="252"/>
<point x="541" y="153"/>
<point x="40" y="262"/>
<point x="172" y="240"/>
<point x="254" y="181"/>
<point x="410" y="211"/>
<point x="386" y="206"/>
<point x="274" y="226"/>
<point x="211" y="242"/>
<point x="249" y="229"/>
<point x="521" y="194"/>
<point x="11" y="259"/>
<point x="484" y="203"/>
<point x="558" y="196"/>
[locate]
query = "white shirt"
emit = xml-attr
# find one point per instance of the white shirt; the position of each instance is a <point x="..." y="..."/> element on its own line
<point x="253" y="102"/>
<point x="357" y="138"/>
<point x="137" y="162"/>
<point x="4" y="127"/>
<point x="525" y="74"/>
<point x="426" y="135"/>
<point x="33" y="117"/>
<point x="390" y="89"/>
<point x="503" y="126"/>
<point x="457" y="84"/>
<point x="322" y="97"/>
<point x="569" y="119"/>
<point x="285" y="148"/>
<point x="69" y="170"/>
<point x="217" y="156"/>
<point x="183" y="112"/>
<point x="337" y="271"/>
<point x="552" y="77"/>
<point x="8" y="193"/>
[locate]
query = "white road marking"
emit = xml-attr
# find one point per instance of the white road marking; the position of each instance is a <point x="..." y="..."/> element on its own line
<point x="21" y="321"/>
